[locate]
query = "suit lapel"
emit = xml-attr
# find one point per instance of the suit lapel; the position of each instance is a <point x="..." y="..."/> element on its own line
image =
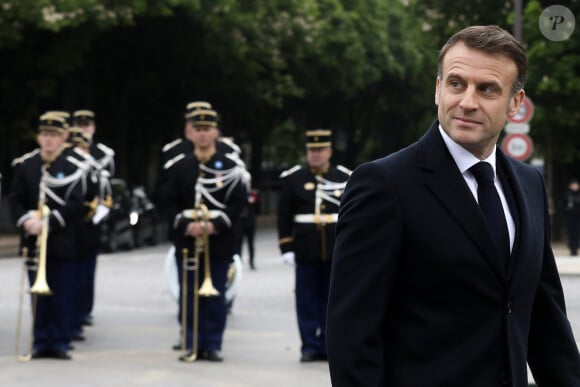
<point x="445" y="181"/>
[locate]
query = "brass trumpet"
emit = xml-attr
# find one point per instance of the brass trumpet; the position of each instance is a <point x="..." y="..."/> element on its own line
<point x="200" y="213"/>
<point x="40" y="286"/>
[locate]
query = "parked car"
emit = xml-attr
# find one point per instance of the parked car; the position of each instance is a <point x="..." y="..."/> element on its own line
<point x="133" y="220"/>
<point x="116" y="229"/>
<point x="143" y="218"/>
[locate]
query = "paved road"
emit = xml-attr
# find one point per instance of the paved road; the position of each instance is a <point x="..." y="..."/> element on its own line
<point x="136" y="325"/>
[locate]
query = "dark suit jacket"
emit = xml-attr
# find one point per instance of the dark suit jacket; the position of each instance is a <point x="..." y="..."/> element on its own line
<point x="419" y="296"/>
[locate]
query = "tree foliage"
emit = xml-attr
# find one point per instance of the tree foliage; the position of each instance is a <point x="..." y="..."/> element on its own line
<point x="272" y="69"/>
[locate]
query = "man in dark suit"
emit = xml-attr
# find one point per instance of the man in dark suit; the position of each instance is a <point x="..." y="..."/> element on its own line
<point x="422" y="291"/>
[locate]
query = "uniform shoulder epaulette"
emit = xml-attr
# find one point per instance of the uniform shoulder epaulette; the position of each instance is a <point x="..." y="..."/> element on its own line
<point x="236" y="159"/>
<point x="24" y="157"/>
<point x="171" y="144"/>
<point x="344" y="169"/>
<point x="79" y="164"/>
<point x="84" y="155"/>
<point x="174" y="160"/>
<point x="229" y="142"/>
<point x="290" y="171"/>
<point x="106" y="149"/>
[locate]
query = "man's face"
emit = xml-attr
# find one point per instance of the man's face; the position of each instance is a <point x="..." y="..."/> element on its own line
<point x="88" y="127"/>
<point x="204" y="136"/>
<point x="474" y="97"/>
<point x="188" y="130"/>
<point x="50" y="142"/>
<point x="318" y="157"/>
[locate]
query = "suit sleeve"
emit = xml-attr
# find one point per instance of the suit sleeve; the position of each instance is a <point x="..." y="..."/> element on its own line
<point x="366" y="253"/>
<point x="18" y="198"/>
<point x="552" y="351"/>
<point x="285" y="214"/>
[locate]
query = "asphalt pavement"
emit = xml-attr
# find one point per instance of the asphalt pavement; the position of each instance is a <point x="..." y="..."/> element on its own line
<point x="136" y="325"/>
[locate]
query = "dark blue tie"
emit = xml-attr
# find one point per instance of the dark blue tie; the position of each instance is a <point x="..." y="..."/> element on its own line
<point x="490" y="204"/>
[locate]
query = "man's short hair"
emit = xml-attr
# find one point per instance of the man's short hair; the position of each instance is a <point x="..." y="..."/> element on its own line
<point x="493" y="40"/>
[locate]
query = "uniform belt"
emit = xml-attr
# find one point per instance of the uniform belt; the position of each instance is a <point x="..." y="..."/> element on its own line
<point x="314" y="218"/>
<point x="192" y="214"/>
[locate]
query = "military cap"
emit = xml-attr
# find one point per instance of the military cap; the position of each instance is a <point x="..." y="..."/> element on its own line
<point x="52" y="122"/>
<point x="318" y="138"/>
<point x="193" y="106"/>
<point x="60" y="113"/>
<point x="83" y="116"/>
<point x="204" y="117"/>
<point x="77" y="136"/>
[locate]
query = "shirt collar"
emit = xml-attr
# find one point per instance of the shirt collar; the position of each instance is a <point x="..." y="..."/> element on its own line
<point x="463" y="158"/>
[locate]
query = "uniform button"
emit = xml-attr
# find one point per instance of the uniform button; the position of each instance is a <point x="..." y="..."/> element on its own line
<point x="509" y="307"/>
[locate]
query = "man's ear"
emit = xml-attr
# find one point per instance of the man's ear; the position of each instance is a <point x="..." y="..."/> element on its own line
<point x="437" y="91"/>
<point x="515" y="102"/>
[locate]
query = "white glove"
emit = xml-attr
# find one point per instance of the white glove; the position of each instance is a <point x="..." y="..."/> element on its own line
<point x="289" y="258"/>
<point x="101" y="212"/>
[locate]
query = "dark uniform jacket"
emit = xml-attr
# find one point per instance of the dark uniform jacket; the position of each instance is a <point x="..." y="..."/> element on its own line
<point x="64" y="198"/>
<point x="222" y="192"/>
<point x="104" y="157"/>
<point x="420" y="296"/>
<point x="310" y="238"/>
<point x="89" y="233"/>
<point x="173" y="152"/>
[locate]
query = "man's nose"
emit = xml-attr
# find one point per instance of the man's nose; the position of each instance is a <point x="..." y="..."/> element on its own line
<point x="469" y="99"/>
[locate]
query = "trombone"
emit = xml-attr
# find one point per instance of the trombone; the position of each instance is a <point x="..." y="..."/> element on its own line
<point x="200" y="213"/>
<point x="40" y="286"/>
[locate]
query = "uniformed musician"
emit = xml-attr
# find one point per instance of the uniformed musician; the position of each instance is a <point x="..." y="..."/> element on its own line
<point x="103" y="162"/>
<point x="207" y="178"/>
<point x="174" y="151"/>
<point x="49" y="177"/>
<point x="96" y="191"/>
<point x="307" y="213"/>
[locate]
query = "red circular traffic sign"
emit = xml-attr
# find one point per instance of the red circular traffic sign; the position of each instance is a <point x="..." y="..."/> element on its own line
<point x="525" y="112"/>
<point x="518" y="145"/>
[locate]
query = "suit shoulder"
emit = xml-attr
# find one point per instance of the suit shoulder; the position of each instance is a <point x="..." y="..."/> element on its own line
<point x="290" y="171"/>
<point x="24" y="157"/>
